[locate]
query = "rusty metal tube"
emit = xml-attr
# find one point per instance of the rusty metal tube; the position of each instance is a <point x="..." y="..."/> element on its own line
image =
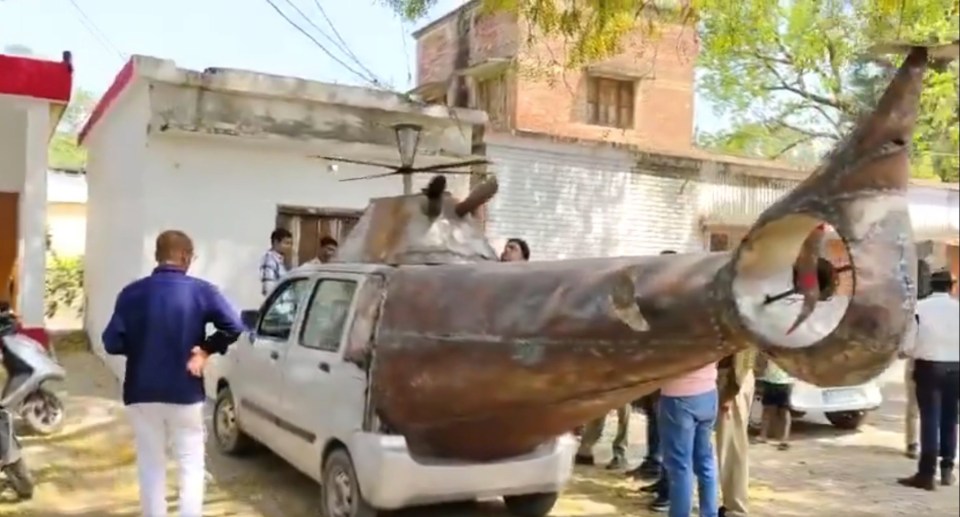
<point x="483" y="361"/>
<point x="536" y="348"/>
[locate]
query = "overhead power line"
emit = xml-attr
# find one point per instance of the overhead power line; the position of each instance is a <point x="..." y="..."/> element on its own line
<point x="361" y="75"/>
<point x="343" y="44"/>
<point x="95" y="31"/>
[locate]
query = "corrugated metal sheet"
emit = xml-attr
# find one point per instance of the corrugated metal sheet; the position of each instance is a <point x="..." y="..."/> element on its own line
<point x="579" y="200"/>
<point x="737" y="200"/>
<point x="572" y="200"/>
<point x="935" y="213"/>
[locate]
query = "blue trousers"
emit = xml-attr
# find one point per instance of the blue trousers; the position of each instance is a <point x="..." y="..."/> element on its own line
<point x="937" y="389"/>
<point x="686" y="430"/>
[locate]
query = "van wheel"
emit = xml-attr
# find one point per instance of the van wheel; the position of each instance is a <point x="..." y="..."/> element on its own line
<point x="339" y="492"/>
<point x="226" y="427"/>
<point x="531" y="505"/>
<point x="847" y="420"/>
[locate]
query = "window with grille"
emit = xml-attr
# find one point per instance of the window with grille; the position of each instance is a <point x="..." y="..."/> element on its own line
<point x="491" y="96"/>
<point x="309" y="225"/>
<point x="610" y="102"/>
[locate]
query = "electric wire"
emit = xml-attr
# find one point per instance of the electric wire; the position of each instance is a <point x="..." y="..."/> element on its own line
<point x="365" y="75"/>
<point x="344" y="47"/>
<point x="406" y="53"/>
<point x="95" y="31"/>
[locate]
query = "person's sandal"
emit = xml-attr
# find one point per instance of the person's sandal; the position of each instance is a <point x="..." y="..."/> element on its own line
<point x="783" y="446"/>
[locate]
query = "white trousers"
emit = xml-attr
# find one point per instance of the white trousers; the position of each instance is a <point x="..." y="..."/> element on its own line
<point x="154" y="427"/>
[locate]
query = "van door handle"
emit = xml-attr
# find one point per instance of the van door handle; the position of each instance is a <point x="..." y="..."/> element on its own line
<point x="324" y="367"/>
<point x="274" y="355"/>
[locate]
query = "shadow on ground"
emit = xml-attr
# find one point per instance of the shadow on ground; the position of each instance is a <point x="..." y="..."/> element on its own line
<point x="88" y="470"/>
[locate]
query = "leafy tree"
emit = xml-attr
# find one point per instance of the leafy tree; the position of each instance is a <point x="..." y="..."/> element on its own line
<point x="789" y="74"/>
<point x="801" y="70"/>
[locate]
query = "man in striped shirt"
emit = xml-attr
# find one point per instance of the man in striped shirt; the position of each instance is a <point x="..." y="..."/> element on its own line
<point x="272" y="265"/>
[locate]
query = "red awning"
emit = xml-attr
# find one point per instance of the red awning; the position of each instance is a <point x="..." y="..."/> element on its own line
<point x="38" y="79"/>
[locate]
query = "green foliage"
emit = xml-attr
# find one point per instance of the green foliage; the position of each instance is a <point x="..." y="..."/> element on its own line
<point x="789" y="74"/>
<point x="63" y="151"/>
<point x="799" y="69"/>
<point x="64" y="284"/>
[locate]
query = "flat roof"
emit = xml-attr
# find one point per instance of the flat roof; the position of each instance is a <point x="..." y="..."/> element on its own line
<point x="36" y="78"/>
<point x="246" y="82"/>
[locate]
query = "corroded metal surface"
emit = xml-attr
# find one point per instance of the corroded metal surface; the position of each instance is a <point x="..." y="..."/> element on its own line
<point x="482" y="360"/>
<point x="489" y="360"/>
<point x="398" y="230"/>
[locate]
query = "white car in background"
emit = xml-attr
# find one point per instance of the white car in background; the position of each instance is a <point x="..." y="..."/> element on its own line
<point x="845" y="407"/>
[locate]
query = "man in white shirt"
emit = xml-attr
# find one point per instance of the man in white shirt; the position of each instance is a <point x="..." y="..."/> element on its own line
<point x="936" y="373"/>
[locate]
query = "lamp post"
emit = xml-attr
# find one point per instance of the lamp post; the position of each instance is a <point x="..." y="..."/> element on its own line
<point x="408" y="138"/>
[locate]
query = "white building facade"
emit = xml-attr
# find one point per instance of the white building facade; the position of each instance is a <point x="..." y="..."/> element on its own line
<point x="226" y="156"/>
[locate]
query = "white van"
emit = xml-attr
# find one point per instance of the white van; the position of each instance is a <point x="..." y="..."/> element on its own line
<point x="287" y="384"/>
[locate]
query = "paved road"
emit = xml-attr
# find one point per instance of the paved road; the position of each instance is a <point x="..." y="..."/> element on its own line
<point x="88" y="471"/>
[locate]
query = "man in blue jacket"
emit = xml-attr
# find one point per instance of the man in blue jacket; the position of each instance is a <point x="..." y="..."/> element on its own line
<point x="159" y="325"/>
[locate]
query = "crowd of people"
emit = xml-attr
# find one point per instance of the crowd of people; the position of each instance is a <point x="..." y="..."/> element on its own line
<point x="712" y="405"/>
<point x="166" y="349"/>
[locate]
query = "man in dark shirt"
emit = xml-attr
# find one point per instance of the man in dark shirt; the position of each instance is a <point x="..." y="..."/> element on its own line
<point x="159" y="325"/>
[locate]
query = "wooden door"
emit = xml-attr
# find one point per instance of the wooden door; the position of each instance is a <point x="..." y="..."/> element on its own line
<point x="9" y="212"/>
<point x="308" y="226"/>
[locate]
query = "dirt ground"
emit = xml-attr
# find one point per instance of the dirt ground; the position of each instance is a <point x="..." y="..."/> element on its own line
<point x="88" y="470"/>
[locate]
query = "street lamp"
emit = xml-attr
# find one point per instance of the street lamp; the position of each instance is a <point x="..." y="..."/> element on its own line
<point x="408" y="138"/>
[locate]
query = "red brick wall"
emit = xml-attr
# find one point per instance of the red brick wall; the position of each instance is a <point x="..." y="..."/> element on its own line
<point x="548" y="97"/>
<point x="435" y="54"/>
<point x="492" y="35"/>
<point x="552" y="98"/>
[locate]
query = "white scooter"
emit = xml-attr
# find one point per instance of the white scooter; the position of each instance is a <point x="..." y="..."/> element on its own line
<point x="29" y="365"/>
<point x="12" y="465"/>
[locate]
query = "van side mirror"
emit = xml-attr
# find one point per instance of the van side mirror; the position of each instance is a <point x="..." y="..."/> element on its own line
<point x="249" y="318"/>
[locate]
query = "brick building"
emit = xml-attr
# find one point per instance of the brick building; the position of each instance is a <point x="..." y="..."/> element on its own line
<point x="599" y="160"/>
<point x="644" y="96"/>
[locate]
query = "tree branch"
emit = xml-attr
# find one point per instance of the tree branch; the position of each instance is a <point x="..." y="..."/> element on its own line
<point x="789" y="147"/>
<point x="780" y="124"/>
<point x="798" y="88"/>
<point x="834" y="68"/>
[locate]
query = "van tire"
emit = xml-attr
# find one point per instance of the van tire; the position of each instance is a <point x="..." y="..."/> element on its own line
<point x="340" y="494"/>
<point x="531" y="505"/>
<point x="227" y="433"/>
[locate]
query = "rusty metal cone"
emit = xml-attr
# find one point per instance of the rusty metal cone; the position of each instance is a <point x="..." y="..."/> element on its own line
<point x="487" y="360"/>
